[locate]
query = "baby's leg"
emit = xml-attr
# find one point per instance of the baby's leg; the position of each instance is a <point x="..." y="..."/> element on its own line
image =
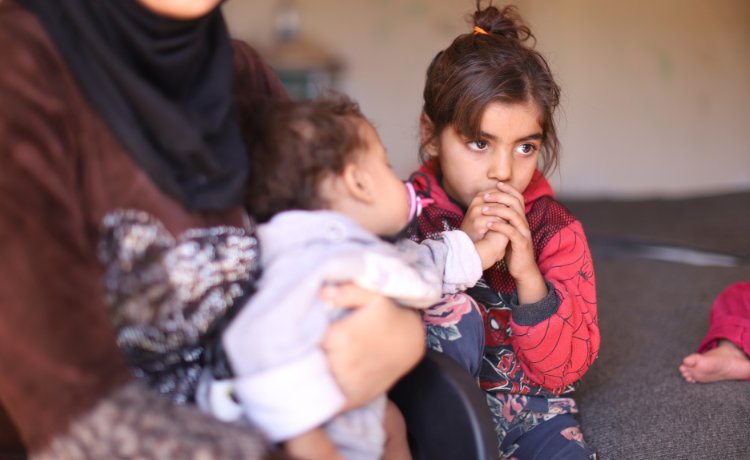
<point x="455" y="327"/>
<point x="396" y="444"/>
<point x="725" y="362"/>
<point x="723" y="353"/>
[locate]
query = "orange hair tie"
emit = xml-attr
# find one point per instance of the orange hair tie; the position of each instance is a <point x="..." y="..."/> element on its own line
<point x="479" y="30"/>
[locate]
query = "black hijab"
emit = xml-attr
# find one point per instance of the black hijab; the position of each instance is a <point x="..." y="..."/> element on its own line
<point x="163" y="86"/>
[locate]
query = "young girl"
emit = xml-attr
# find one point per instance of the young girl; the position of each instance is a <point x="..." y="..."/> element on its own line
<point x="323" y="191"/>
<point x="486" y="124"/>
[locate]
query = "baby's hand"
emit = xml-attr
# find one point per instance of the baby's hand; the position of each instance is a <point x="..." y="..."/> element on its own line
<point x="477" y="219"/>
<point x="491" y="248"/>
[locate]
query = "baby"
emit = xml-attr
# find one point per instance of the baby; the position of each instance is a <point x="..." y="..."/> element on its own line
<point x="324" y="195"/>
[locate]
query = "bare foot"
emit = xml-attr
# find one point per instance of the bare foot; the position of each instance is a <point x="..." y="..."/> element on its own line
<point x="725" y="362"/>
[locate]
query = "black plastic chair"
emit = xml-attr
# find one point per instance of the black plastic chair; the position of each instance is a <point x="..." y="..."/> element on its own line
<point x="446" y="413"/>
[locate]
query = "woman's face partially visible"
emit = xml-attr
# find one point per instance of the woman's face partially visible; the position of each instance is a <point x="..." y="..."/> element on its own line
<point x="180" y="9"/>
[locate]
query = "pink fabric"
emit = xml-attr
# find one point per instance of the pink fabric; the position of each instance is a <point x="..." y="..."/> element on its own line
<point x="729" y="318"/>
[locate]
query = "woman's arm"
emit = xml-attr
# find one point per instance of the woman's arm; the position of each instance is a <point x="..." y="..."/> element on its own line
<point x="370" y="349"/>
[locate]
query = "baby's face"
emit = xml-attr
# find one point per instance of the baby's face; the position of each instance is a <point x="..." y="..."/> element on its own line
<point x="391" y="204"/>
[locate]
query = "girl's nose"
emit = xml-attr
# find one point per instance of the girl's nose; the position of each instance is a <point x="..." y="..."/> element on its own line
<point x="501" y="167"/>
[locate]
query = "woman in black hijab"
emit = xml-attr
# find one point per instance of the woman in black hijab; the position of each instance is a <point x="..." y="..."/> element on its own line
<point x="122" y="174"/>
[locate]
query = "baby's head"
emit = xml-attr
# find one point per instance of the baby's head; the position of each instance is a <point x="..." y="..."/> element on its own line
<point x="489" y="73"/>
<point x="322" y="154"/>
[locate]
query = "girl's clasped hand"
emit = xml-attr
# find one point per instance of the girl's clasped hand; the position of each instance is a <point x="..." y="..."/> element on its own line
<point x="506" y="208"/>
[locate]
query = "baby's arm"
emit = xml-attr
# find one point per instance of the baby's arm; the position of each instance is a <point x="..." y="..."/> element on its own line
<point x="453" y="259"/>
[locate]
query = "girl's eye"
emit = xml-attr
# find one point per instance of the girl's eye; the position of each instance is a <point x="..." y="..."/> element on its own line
<point x="478" y="144"/>
<point x="526" y="149"/>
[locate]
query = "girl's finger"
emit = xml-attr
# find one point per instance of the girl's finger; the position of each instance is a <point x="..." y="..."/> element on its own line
<point x="508" y="215"/>
<point x="510" y="190"/>
<point x="507" y="199"/>
<point x="507" y="231"/>
<point x="484" y="222"/>
<point x="479" y="199"/>
<point x="518" y="240"/>
<point x="476" y="225"/>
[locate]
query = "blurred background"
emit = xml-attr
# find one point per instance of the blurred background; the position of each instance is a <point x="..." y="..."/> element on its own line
<point x="656" y="93"/>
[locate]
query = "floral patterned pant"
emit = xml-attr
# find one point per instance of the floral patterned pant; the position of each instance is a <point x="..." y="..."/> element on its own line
<point x="528" y="427"/>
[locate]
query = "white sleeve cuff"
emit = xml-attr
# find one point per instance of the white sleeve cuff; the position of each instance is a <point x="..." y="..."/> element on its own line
<point x="393" y="277"/>
<point x="288" y="400"/>
<point x="463" y="267"/>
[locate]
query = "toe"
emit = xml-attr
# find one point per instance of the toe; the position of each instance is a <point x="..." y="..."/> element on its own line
<point x="686" y="374"/>
<point x="691" y="360"/>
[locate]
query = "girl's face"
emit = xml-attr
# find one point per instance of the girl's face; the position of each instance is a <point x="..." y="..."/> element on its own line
<point x="506" y="151"/>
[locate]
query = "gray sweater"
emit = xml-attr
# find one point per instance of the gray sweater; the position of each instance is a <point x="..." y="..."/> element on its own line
<point x="282" y="376"/>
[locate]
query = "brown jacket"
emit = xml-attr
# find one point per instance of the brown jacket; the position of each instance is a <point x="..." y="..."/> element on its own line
<point x="61" y="171"/>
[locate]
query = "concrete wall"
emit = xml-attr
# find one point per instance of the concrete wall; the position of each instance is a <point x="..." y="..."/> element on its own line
<point x="656" y="94"/>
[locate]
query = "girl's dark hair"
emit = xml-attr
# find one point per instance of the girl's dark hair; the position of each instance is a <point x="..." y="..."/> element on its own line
<point x="292" y="146"/>
<point x="479" y="69"/>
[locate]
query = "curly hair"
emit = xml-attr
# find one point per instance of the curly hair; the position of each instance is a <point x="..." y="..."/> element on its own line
<point x="292" y="146"/>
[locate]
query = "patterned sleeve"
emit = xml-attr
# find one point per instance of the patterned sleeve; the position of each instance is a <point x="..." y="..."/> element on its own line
<point x="137" y="422"/>
<point x="556" y="346"/>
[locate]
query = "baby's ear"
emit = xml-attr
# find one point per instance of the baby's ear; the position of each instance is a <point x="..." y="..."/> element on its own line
<point x="429" y="143"/>
<point x="358" y="183"/>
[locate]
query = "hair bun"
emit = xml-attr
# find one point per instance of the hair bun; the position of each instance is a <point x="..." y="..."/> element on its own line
<point x="506" y="22"/>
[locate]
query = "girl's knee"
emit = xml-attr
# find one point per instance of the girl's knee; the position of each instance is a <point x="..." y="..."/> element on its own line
<point x="455" y="327"/>
<point x="455" y="310"/>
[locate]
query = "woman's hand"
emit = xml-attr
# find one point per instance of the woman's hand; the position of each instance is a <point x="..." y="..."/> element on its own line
<point x="507" y="207"/>
<point x="312" y="445"/>
<point x="374" y="346"/>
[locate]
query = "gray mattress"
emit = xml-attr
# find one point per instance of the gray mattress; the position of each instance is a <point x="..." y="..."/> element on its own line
<point x="652" y="313"/>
